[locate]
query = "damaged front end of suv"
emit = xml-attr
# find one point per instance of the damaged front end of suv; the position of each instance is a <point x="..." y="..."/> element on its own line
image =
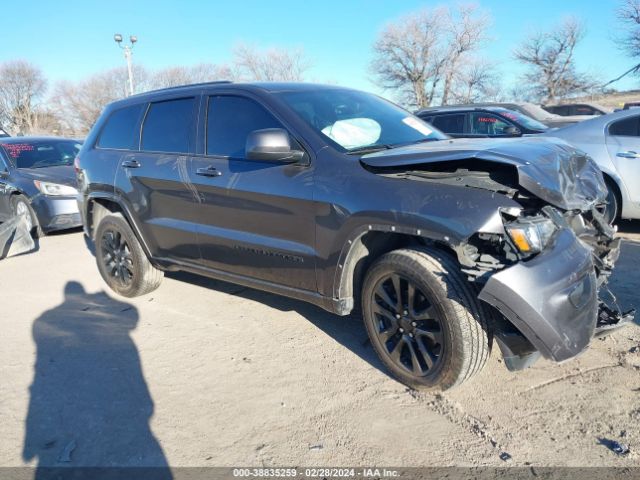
<point x="543" y="265"/>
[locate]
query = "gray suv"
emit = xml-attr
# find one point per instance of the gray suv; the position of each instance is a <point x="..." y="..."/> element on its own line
<point x="342" y="199"/>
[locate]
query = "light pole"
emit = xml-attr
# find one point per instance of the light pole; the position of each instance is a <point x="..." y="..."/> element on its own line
<point x="127" y="55"/>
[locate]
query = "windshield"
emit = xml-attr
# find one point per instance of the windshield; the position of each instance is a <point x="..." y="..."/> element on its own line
<point x="41" y="153"/>
<point x="355" y="121"/>
<point x="522" y="119"/>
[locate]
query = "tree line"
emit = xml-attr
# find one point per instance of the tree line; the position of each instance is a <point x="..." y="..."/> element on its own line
<point x="29" y="105"/>
<point x="431" y="56"/>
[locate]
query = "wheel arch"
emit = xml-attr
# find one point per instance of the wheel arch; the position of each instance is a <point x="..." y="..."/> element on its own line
<point x="98" y="206"/>
<point x="612" y="181"/>
<point x="363" y="247"/>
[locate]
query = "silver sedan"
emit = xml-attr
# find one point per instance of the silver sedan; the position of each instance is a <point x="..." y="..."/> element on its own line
<point x="613" y="141"/>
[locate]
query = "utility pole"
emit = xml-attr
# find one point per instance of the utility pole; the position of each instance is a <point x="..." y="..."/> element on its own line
<point x="128" y="51"/>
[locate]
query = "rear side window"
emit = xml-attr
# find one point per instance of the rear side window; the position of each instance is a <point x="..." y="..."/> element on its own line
<point x="449" y="123"/>
<point x="230" y="120"/>
<point x="168" y="126"/>
<point x="120" y="130"/>
<point x="627" y="127"/>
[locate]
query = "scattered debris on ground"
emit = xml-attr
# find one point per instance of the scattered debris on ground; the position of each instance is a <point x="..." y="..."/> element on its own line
<point x="616" y="447"/>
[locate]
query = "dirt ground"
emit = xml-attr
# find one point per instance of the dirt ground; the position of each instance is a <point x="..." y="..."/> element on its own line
<point x="204" y="373"/>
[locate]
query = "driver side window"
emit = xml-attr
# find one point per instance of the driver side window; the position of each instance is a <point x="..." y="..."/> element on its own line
<point x="230" y="119"/>
<point x="483" y="123"/>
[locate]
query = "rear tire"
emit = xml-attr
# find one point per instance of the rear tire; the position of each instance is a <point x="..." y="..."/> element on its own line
<point x="121" y="260"/>
<point x="424" y="319"/>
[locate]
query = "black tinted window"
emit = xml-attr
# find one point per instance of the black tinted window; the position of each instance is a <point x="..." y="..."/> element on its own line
<point x="583" y="110"/>
<point x="564" y="111"/>
<point x="168" y="126"/>
<point x="625" y="128"/>
<point x="449" y="123"/>
<point x="229" y="122"/>
<point x="120" y="129"/>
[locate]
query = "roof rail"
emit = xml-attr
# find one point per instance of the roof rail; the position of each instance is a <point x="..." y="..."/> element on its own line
<point x="189" y="85"/>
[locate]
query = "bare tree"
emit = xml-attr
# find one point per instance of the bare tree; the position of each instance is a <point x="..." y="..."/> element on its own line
<point x="22" y="88"/>
<point x="629" y="15"/>
<point x="184" y="75"/>
<point x="408" y="56"/>
<point x="420" y="54"/>
<point x="274" y="64"/>
<point x="550" y="58"/>
<point x="475" y="81"/>
<point x="467" y="27"/>
<point x="78" y="104"/>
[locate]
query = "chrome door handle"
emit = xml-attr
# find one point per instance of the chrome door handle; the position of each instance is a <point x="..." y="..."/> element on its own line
<point x="210" y="171"/>
<point x="629" y="154"/>
<point x="131" y="164"/>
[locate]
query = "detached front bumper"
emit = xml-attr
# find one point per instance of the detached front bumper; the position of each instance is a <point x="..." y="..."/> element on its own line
<point x="551" y="299"/>
<point x="56" y="213"/>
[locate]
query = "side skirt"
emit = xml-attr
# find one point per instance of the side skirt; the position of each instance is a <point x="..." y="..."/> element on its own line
<point x="339" y="306"/>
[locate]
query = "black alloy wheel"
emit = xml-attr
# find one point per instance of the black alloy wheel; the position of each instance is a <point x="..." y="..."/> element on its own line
<point x="424" y="319"/>
<point x="122" y="262"/>
<point x="117" y="258"/>
<point x="407" y="325"/>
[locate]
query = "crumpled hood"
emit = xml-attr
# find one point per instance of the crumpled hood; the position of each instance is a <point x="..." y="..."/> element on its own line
<point x="62" y="174"/>
<point x="549" y="168"/>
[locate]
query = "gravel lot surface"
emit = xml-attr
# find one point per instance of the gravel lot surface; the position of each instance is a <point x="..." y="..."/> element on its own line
<point x="204" y="373"/>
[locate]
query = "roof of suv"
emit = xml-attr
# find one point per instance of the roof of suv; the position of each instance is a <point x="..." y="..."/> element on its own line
<point x="271" y="87"/>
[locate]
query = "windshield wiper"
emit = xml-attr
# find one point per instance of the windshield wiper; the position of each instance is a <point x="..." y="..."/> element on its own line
<point x="415" y="142"/>
<point x="369" y="149"/>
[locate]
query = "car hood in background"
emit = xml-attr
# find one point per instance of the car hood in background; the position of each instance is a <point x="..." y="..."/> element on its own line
<point x="62" y="174"/>
<point x="549" y="168"/>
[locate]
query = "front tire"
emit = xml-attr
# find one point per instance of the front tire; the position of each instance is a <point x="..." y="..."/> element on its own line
<point x="20" y="206"/>
<point x="611" y="210"/>
<point x="121" y="261"/>
<point x="424" y="319"/>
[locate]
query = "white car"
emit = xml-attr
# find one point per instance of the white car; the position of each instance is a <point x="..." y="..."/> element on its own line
<point x="613" y="141"/>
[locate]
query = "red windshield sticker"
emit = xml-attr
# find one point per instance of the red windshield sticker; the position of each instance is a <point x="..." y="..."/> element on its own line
<point x="15" y="149"/>
<point x="487" y="119"/>
<point x="511" y="116"/>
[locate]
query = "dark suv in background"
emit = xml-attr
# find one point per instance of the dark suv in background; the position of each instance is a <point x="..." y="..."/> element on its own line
<point x="340" y="198"/>
<point x="481" y="122"/>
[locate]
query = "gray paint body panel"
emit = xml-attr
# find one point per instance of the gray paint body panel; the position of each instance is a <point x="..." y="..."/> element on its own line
<point x="552" y="299"/>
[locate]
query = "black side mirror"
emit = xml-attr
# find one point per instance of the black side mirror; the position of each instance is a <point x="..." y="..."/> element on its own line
<point x="271" y="145"/>
<point x="512" y="131"/>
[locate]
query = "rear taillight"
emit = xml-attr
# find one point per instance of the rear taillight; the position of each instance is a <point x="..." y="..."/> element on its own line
<point x="76" y="164"/>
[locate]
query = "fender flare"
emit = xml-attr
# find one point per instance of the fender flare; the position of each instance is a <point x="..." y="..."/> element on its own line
<point x="93" y="197"/>
<point x="353" y="250"/>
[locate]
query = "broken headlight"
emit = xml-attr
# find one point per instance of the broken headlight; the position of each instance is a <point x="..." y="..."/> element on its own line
<point x="531" y="234"/>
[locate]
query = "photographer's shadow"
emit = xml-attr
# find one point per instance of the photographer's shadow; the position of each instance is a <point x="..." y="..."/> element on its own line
<point x="89" y="404"/>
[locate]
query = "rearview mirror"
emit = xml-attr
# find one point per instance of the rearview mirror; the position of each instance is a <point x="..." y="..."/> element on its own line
<point x="512" y="131"/>
<point x="271" y="145"/>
